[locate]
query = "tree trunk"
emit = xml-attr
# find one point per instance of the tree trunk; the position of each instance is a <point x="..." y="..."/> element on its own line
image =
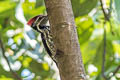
<point x="65" y="38"/>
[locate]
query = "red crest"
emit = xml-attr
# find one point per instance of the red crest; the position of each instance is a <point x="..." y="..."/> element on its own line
<point x="31" y="21"/>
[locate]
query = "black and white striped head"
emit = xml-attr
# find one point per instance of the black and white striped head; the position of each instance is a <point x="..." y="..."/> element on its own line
<point x="38" y="22"/>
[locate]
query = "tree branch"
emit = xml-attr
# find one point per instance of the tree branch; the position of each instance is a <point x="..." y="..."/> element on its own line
<point x="104" y="54"/>
<point x="15" y="75"/>
<point x="107" y="15"/>
<point x="104" y="46"/>
<point x="116" y="70"/>
<point x="104" y="11"/>
<point x="107" y="18"/>
<point x="110" y="8"/>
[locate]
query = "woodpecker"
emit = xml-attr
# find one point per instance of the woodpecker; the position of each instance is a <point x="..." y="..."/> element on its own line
<point x="38" y="23"/>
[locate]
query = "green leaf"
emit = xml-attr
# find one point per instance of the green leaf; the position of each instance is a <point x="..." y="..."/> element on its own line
<point x="6" y="5"/>
<point x="5" y="78"/>
<point x="117" y="9"/>
<point x="84" y="31"/>
<point x="30" y="10"/>
<point x="39" y="3"/>
<point x="45" y="66"/>
<point x="39" y="70"/>
<point x="4" y="73"/>
<point x="89" y="49"/>
<point x="83" y="7"/>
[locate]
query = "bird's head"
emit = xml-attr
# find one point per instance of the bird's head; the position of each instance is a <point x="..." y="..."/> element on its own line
<point x="38" y="22"/>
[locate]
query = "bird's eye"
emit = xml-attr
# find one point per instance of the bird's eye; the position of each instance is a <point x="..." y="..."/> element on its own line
<point x="33" y="25"/>
<point x="42" y="27"/>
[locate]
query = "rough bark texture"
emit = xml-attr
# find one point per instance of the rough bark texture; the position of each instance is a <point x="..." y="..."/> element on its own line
<point x="65" y="38"/>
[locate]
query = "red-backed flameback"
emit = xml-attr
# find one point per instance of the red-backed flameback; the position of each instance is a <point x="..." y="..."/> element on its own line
<point x="38" y="23"/>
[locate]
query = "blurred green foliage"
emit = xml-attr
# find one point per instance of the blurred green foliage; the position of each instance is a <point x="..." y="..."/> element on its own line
<point x="24" y="49"/>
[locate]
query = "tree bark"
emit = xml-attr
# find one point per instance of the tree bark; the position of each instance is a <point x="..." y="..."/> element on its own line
<point x="65" y="38"/>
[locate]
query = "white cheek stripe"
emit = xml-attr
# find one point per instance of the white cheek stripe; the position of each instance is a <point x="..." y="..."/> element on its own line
<point x="39" y="28"/>
<point x="36" y="21"/>
<point x="39" y="23"/>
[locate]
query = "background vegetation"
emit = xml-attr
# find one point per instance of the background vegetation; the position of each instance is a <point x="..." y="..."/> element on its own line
<point x="98" y="33"/>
